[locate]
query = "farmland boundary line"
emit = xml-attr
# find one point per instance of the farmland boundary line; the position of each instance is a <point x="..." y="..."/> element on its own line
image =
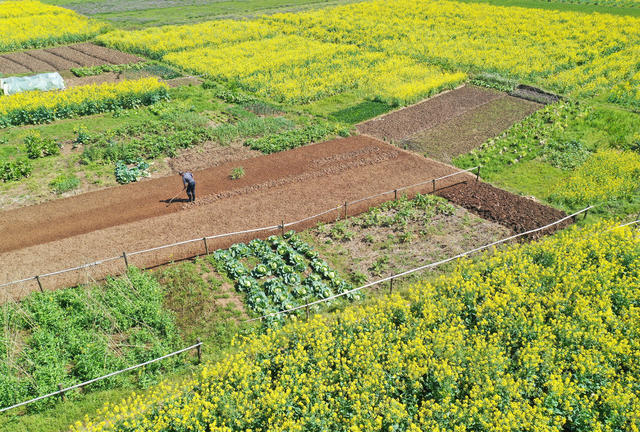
<point x="281" y="226"/>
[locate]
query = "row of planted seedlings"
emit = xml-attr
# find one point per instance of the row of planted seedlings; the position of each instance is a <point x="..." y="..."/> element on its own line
<point x="280" y="273"/>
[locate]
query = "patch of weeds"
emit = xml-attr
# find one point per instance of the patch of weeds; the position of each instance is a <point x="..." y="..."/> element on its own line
<point x="358" y="278"/>
<point x="494" y="81"/>
<point x="340" y="231"/>
<point x="237" y="173"/>
<point x="64" y="183"/>
<point x="380" y="265"/>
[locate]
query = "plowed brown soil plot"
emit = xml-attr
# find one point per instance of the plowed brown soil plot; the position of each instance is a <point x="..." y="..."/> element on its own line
<point x="516" y="212"/>
<point x="427" y="114"/>
<point x="467" y="131"/>
<point x="62" y="58"/>
<point x="283" y="186"/>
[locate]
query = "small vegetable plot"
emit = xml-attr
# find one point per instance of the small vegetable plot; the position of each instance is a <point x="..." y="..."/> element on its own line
<point x="279" y="273"/>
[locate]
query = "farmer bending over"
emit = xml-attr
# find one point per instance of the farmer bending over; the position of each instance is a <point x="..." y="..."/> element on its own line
<point x="189" y="184"/>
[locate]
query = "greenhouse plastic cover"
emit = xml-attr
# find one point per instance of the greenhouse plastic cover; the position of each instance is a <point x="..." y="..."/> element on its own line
<point x="43" y="82"/>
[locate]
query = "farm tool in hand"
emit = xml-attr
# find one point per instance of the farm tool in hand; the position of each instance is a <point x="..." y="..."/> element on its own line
<point x="171" y="200"/>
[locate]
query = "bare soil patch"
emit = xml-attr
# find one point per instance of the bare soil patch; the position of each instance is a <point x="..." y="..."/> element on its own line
<point x="516" y="212"/>
<point x="281" y="186"/>
<point x="467" y="131"/>
<point x="62" y="58"/>
<point x="437" y="110"/>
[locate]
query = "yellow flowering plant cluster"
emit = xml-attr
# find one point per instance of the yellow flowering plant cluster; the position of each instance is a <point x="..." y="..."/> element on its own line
<point x="628" y="93"/>
<point x="538" y="337"/>
<point x="31" y="24"/>
<point x="35" y="107"/>
<point x="157" y="41"/>
<point x="567" y="51"/>
<point x="290" y="68"/>
<point x="606" y="175"/>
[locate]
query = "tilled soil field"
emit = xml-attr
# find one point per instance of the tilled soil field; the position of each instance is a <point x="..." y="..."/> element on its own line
<point x="518" y="213"/>
<point x="62" y="58"/>
<point x="470" y="129"/>
<point x="427" y="114"/>
<point x="283" y="186"/>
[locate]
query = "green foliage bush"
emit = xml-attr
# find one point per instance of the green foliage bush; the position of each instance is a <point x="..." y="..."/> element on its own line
<point x="566" y="155"/>
<point x="15" y="169"/>
<point x="76" y="334"/>
<point x="36" y="146"/>
<point x="295" y="138"/>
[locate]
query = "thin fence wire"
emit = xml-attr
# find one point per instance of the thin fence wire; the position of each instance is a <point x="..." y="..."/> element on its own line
<point x="216" y="236"/>
<point x="109" y="375"/>
<point x="423" y="267"/>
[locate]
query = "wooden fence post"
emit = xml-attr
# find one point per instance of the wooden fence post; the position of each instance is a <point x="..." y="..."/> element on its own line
<point x="61" y="394"/>
<point x="585" y="214"/>
<point x="39" y="283"/>
<point x="126" y="261"/>
<point x="307" y="308"/>
<point x="282" y="228"/>
<point x="434" y="184"/>
<point x="199" y="351"/>
<point x="206" y="246"/>
<point x="477" y="173"/>
<point x="391" y="286"/>
<point x="395" y="194"/>
<point x="345" y="210"/>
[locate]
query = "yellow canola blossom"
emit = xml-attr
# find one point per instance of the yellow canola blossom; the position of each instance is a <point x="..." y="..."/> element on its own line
<point x="606" y="175"/>
<point x="539" y="337"/>
<point x="297" y="69"/>
<point x="566" y="51"/>
<point x="40" y="107"/>
<point x="157" y="41"/>
<point x="36" y="25"/>
<point x="12" y="9"/>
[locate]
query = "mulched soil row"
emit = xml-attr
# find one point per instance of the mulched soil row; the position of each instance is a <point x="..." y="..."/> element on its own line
<point x="62" y="58"/>
<point x="467" y="131"/>
<point x="437" y="110"/>
<point x="518" y="213"/>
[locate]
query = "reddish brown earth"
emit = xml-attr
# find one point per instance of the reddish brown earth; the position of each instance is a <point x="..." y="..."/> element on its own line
<point x="437" y="110"/>
<point x="513" y="211"/>
<point x="283" y="186"/>
<point x="62" y="58"/>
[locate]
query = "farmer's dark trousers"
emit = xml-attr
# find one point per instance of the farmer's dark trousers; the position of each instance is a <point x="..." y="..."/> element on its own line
<point x="191" y="191"/>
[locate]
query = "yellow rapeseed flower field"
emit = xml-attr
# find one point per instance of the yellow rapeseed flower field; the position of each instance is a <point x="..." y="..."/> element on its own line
<point x="567" y="51"/>
<point x="31" y="24"/>
<point x="40" y="107"/>
<point x="539" y="337"/>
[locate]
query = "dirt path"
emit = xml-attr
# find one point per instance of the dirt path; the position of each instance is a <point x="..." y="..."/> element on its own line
<point x="282" y="186"/>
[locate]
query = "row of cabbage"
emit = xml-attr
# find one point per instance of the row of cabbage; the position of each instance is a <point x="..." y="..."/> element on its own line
<point x="36" y="107"/>
<point x="286" y="273"/>
<point x="567" y="51"/>
<point x="31" y="24"/>
<point x="538" y="337"/>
